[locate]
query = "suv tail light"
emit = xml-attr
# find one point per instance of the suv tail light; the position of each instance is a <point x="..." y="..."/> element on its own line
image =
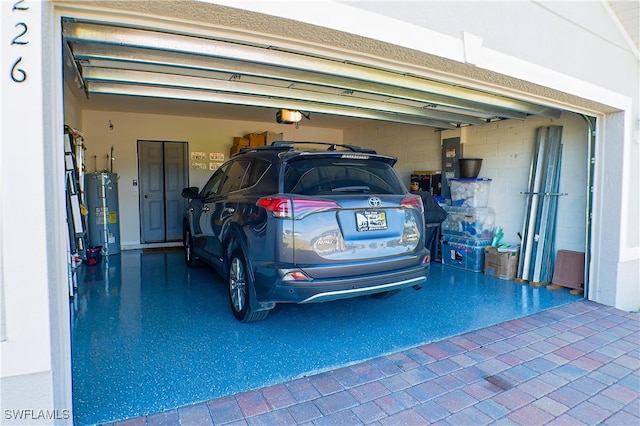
<point x="296" y="276"/>
<point x="413" y="201"/>
<point x="295" y="208"/>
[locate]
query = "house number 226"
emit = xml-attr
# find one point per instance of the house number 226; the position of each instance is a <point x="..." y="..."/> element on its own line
<point x="19" y="75"/>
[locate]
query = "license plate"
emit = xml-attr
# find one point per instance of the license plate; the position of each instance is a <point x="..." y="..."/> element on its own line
<point x="371" y="220"/>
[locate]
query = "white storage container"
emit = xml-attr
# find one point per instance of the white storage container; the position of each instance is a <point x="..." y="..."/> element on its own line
<point x="468" y="222"/>
<point x="471" y="192"/>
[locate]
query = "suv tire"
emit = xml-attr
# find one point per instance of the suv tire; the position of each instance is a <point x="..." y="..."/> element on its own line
<point x="239" y="283"/>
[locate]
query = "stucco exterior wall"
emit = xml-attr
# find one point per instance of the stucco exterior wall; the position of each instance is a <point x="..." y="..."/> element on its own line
<point x="33" y="372"/>
<point x="560" y="36"/>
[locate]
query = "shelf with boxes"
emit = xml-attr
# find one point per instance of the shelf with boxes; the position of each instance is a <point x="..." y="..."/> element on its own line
<point x="254" y="139"/>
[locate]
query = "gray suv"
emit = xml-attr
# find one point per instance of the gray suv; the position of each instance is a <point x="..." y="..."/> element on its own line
<point x="306" y="222"/>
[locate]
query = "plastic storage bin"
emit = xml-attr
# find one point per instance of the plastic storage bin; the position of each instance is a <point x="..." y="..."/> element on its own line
<point x="468" y="222"/>
<point x="464" y="253"/>
<point x="470" y="192"/>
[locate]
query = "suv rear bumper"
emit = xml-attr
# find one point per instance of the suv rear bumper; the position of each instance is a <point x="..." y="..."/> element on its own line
<point x="275" y="290"/>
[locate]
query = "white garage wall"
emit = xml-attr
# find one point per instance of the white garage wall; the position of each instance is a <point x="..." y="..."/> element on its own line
<point x="416" y="147"/>
<point x="506" y="148"/>
<point x="202" y="134"/>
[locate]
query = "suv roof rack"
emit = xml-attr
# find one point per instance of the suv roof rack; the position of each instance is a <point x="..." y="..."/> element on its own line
<point x="331" y="146"/>
<point x="289" y="146"/>
<point x="264" y="148"/>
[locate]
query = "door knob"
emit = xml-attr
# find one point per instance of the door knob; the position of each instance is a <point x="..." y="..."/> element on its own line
<point x="147" y="196"/>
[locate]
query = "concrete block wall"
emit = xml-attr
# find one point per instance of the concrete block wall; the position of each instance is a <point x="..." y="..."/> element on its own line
<point x="416" y="147"/>
<point x="507" y="149"/>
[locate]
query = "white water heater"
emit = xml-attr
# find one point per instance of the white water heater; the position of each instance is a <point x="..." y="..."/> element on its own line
<point x="101" y="190"/>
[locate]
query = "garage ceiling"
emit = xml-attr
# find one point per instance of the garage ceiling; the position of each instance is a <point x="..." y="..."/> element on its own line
<point x="118" y="61"/>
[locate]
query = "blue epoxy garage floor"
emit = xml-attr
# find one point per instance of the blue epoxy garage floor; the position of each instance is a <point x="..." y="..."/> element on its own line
<point x="151" y="335"/>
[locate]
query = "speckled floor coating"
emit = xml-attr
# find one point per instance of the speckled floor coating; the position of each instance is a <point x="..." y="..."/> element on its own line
<point x="151" y="335"/>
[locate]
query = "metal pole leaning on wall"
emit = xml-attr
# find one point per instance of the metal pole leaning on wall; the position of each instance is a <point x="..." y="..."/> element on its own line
<point x="545" y="231"/>
<point x="529" y="200"/>
<point x="538" y="232"/>
<point x="530" y="218"/>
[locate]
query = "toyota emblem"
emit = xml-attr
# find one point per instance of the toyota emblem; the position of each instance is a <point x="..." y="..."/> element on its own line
<point x="375" y="202"/>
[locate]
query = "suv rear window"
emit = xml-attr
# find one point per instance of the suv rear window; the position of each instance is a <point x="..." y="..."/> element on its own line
<point x="334" y="176"/>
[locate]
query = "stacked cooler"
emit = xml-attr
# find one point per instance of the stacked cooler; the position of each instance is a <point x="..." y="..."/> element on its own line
<point x="469" y="225"/>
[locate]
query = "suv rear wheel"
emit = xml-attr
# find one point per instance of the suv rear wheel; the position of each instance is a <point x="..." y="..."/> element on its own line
<point x="239" y="290"/>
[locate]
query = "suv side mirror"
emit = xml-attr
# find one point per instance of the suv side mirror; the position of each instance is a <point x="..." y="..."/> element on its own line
<point x="193" y="193"/>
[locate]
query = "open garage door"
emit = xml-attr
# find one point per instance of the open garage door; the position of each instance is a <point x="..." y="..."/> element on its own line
<point x="114" y="60"/>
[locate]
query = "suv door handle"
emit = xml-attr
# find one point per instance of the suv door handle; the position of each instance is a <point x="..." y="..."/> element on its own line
<point x="205" y="208"/>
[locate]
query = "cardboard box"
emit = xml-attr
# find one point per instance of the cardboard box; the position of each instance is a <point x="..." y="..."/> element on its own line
<point x="256" y="139"/>
<point x="500" y="264"/>
<point x="272" y="137"/>
<point x="241" y="142"/>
